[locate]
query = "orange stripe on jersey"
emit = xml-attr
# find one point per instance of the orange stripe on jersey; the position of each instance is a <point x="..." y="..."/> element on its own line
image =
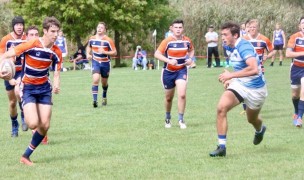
<point x="175" y="49"/>
<point x="260" y="43"/>
<point x="35" y="81"/>
<point x="105" y="43"/>
<point x="37" y="61"/>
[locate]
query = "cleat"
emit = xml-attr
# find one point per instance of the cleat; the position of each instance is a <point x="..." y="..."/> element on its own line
<point x="45" y="140"/>
<point x="182" y="124"/>
<point x="243" y="112"/>
<point x="104" y="101"/>
<point x="299" y="122"/>
<point x="218" y="152"/>
<point x="294" y="119"/>
<point x="95" y="104"/>
<point x="15" y="129"/>
<point x="26" y="161"/>
<point x="258" y="137"/>
<point x="24" y="127"/>
<point x="167" y="123"/>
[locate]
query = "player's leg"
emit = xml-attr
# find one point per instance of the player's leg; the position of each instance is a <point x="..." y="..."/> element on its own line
<point x="168" y="81"/>
<point x="295" y="79"/>
<point x="254" y="119"/>
<point x="228" y="100"/>
<point x="301" y="104"/>
<point x="12" y="99"/>
<point x="181" y="88"/>
<point x="32" y="120"/>
<point x="17" y="93"/>
<point x="281" y="55"/>
<point x="217" y="57"/>
<point x="273" y="57"/>
<point x="105" y="73"/>
<point x="95" y="81"/>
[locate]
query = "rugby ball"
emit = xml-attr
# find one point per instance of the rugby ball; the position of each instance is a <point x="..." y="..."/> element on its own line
<point x="8" y="65"/>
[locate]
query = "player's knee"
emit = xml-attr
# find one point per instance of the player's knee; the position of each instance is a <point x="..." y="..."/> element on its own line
<point x="12" y="103"/>
<point x="221" y="110"/>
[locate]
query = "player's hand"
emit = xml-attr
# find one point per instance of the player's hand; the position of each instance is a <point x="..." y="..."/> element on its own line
<point x="5" y="75"/>
<point x="172" y="62"/>
<point x="12" y="82"/>
<point x="101" y="50"/>
<point x="226" y="75"/>
<point x="89" y="57"/>
<point x="226" y="84"/>
<point x="188" y="61"/>
<point x="56" y="90"/>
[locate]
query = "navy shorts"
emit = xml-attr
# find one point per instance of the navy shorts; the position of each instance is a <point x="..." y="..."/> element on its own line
<point x="296" y="73"/>
<point x="102" y="68"/>
<point x="38" y="94"/>
<point x="278" y="47"/>
<point x="169" y="77"/>
<point x="7" y="85"/>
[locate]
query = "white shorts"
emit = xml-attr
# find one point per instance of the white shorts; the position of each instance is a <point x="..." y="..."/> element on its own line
<point x="253" y="98"/>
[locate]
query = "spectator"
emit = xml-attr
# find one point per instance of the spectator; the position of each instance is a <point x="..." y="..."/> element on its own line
<point x="62" y="44"/>
<point x="140" y="58"/>
<point x="212" y="40"/>
<point x="79" y="58"/>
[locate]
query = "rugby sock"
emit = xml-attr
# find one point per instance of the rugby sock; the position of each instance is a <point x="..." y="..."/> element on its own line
<point x="227" y="61"/>
<point x="301" y="109"/>
<point x="105" y="89"/>
<point x="244" y="106"/>
<point x="14" y="121"/>
<point x="168" y="115"/>
<point x="36" y="140"/>
<point x="94" y="92"/>
<point x="22" y="114"/>
<point x="180" y="116"/>
<point x="222" y="141"/>
<point x="295" y="105"/>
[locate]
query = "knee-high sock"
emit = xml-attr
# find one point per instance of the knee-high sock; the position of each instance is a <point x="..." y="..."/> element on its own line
<point x="105" y="89"/>
<point x="36" y="140"/>
<point x="94" y="92"/>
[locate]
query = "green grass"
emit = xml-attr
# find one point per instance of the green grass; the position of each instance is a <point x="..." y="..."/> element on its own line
<point x="127" y="138"/>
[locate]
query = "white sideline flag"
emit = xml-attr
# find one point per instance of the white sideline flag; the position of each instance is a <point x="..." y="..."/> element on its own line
<point x="154" y="33"/>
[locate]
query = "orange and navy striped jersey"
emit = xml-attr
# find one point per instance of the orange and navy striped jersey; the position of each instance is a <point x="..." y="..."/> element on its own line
<point x="172" y="48"/>
<point x="106" y="43"/>
<point x="296" y="43"/>
<point x="260" y="43"/>
<point x="37" y="61"/>
<point x="8" y="42"/>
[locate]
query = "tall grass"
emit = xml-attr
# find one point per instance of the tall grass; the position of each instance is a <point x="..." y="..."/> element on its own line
<point x="127" y="138"/>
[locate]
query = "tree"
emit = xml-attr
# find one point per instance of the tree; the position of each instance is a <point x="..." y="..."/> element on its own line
<point x="79" y="18"/>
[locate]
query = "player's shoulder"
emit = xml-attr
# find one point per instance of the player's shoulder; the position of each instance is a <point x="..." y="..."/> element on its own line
<point x="56" y="49"/>
<point x="7" y="37"/>
<point x="296" y="35"/>
<point x="263" y="37"/>
<point x="186" y="38"/>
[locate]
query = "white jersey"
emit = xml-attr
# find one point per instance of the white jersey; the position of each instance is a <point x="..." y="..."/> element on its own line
<point x="211" y="35"/>
<point x="238" y="55"/>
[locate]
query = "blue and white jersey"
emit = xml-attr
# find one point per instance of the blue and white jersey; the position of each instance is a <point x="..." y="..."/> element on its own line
<point x="238" y="56"/>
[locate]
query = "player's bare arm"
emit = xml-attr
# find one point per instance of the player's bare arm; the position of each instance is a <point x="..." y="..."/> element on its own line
<point x="56" y="82"/>
<point x="291" y="54"/>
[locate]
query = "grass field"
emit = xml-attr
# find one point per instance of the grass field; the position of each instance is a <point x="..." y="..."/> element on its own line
<point x="127" y="138"/>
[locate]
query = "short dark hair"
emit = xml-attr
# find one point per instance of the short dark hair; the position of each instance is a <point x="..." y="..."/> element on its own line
<point x="178" y="21"/>
<point x="30" y="28"/>
<point x="50" y="21"/>
<point x="233" y="27"/>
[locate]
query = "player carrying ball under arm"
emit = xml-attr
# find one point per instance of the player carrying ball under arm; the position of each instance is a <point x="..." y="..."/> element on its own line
<point x="173" y="51"/>
<point x="36" y="89"/>
<point x="245" y="84"/>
